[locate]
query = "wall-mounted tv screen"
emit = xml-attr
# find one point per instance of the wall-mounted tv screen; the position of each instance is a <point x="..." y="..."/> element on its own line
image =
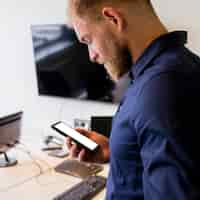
<point x="63" y="67"/>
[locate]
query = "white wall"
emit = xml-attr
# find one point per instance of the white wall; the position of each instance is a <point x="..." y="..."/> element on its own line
<point x="18" y="87"/>
<point x="181" y="14"/>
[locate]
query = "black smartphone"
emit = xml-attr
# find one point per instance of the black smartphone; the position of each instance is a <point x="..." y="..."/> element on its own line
<point x="67" y="131"/>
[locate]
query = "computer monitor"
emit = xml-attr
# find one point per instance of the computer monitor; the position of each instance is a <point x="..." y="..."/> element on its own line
<point x="102" y="124"/>
<point x="10" y="130"/>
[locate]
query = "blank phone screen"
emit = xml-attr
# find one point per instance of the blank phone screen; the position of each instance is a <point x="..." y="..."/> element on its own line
<point x="76" y="136"/>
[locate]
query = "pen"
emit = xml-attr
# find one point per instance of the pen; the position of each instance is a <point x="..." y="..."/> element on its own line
<point x="51" y="148"/>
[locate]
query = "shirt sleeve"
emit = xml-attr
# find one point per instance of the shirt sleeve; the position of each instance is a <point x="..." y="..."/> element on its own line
<point x="163" y="140"/>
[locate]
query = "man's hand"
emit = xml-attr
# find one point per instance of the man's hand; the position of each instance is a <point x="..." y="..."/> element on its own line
<point x="101" y="155"/>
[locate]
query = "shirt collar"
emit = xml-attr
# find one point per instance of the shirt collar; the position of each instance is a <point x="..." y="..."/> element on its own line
<point x="175" y="38"/>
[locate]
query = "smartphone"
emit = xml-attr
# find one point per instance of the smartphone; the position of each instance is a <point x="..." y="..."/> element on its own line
<point x="67" y="131"/>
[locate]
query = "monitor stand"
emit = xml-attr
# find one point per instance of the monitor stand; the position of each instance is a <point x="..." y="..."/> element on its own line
<point x="5" y="161"/>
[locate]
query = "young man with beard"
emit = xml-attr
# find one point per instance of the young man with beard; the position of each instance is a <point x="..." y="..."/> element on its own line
<point x="153" y="147"/>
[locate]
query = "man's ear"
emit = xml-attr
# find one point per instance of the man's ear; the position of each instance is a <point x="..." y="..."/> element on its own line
<point x="114" y="17"/>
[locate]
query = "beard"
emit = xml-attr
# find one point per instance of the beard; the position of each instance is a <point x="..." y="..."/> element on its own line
<point x="119" y="64"/>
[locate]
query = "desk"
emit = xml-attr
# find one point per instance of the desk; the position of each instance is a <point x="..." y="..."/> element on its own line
<point x="25" y="181"/>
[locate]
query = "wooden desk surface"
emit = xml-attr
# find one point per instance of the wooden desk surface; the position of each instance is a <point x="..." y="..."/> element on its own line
<point x="36" y="180"/>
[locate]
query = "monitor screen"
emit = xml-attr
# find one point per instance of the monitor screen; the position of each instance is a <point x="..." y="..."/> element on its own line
<point x="63" y="67"/>
<point x="10" y="128"/>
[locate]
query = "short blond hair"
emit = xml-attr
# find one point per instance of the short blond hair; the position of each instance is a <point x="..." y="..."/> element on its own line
<point x="90" y="7"/>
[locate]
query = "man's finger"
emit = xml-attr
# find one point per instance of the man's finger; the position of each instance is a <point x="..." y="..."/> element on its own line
<point x="73" y="151"/>
<point x="83" y="131"/>
<point x="69" y="142"/>
<point x="81" y="155"/>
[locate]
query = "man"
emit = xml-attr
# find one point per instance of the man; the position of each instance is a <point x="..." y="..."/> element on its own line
<point x="153" y="148"/>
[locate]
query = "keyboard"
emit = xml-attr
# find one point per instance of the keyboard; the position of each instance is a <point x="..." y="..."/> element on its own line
<point x="84" y="190"/>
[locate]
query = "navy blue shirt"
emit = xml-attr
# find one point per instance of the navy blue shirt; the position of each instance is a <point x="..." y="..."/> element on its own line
<point x="154" y="143"/>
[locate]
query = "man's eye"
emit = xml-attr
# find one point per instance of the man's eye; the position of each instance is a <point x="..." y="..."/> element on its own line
<point x="85" y="41"/>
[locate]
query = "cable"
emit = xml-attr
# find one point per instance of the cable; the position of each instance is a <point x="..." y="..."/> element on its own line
<point x="18" y="184"/>
<point x="50" y="168"/>
<point x="31" y="156"/>
<point x="41" y="171"/>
